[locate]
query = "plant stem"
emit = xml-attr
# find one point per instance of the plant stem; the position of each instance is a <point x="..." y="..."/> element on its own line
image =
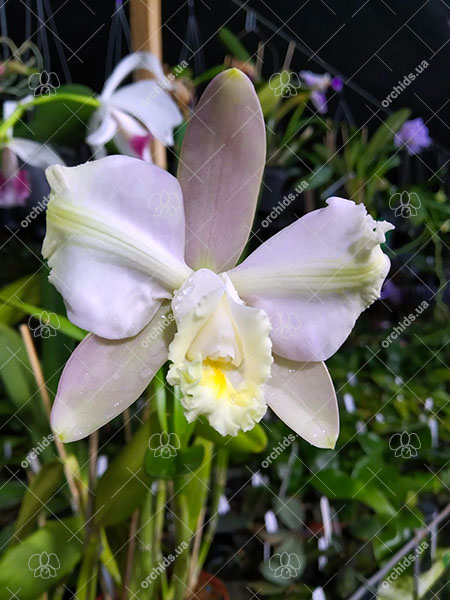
<point x="130" y="553"/>
<point x="159" y="515"/>
<point x="183" y="536"/>
<point x="220" y="480"/>
<point x="146" y="536"/>
<point x="61" y="97"/>
<point x="72" y="482"/>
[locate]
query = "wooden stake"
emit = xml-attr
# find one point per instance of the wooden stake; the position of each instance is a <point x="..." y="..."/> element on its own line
<point x="39" y="377"/>
<point x="146" y="33"/>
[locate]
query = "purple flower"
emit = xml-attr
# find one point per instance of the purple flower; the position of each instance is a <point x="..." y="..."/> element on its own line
<point x="319" y="84"/>
<point x="414" y="135"/>
<point x="337" y="84"/>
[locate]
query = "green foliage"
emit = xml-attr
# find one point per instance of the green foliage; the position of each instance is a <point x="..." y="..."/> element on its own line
<point x="42" y="560"/>
<point x="124" y="485"/>
<point x="233" y="44"/>
<point x="38" y="493"/>
<point x="61" y="122"/>
<point x="173" y="464"/>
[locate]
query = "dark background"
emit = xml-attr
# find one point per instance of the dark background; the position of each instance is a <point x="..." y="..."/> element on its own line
<point x="372" y="43"/>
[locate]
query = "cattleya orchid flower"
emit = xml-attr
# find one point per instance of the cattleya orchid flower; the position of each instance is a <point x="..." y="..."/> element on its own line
<point x="153" y="285"/>
<point x="134" y="113"/>
<point x="14" y="183"/>
<point x="414" y="135"/>
<point x="319" y="85"/>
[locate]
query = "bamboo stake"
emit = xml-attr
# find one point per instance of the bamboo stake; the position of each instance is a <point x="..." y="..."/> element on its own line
<point x="146" y="33"/>
<point x="39" y="377"/>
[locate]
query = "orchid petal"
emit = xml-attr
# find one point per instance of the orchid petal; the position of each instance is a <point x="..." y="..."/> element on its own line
<point x="151" y="105"/>
<point x="103" y="377"/>
<point x="137" y="60"/>
<point x="114" y="250"/>
<point x="302" y="395"/>
<point x="220" y="170"/>
<point x="132" y="139"/>
<point x="34" y="154"/>
<point x="315" y="277"/>
<point x="102" y="126"/>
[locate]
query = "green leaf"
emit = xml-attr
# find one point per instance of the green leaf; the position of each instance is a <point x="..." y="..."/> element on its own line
<point x="59" y="545"/>
<point x="17" y="378"/>
<point x="234" y="45"/>
<point x="62" y="122"/>
<point x="338" y="485"/>
<point x="294" y="125"/>
<point x="290" y="512"/>
<point x="175" y="463"/>
<point x="46" y="318"/>
<point x="55" y="349"/>
<point x="87" y="578"/>
<point x="15" y="370"/>
<point x="181" y="426"/>
<point x="11" y="494"/>
<point x="24" y="289"/>
<point x="37" y="494"/>
<point x="319" y="177"/>
<point x="196" y="486"/>
<point x="380" y="140"/>
<point x="124" y="485"/>
<point x="287" y="562"/>
<point x="249" y="442"/>
<point x="108" y="558"/>
<point x="267" y="97"/>
<point x="160" y="397"/>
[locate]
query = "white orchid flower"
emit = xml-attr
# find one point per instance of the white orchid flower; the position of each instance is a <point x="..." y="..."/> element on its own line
<point x="152" y="285"/>
<point x="14" y="183"/>
<point x="134" y="113"/>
